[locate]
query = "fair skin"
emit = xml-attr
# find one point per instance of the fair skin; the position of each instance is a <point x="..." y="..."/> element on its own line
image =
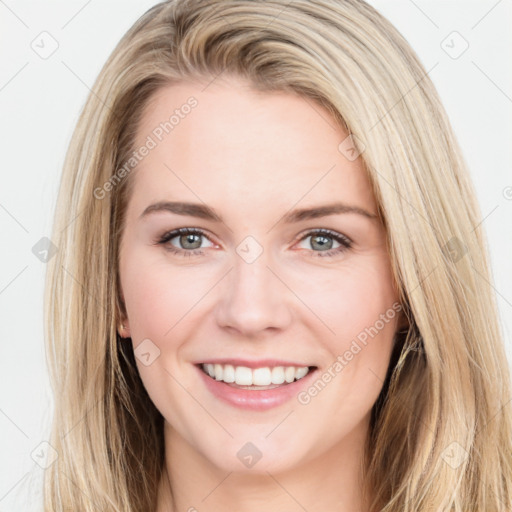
<point x="253" y="157"/>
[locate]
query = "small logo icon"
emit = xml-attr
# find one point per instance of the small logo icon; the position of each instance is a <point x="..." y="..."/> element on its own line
<point x="249" y="249"/>
<point x="454" y="249"/>
<point x="146" y="352"/>
<point x="351" y="147"/>
<point x="44" y="455"/>
<point x="44" y="250"/>
<point x="507" y="193"/>
<point x="454" y="455"/>
<point x="249" y="455"/>
<point x="45" y="45"/>
<point x="454" y="45"/>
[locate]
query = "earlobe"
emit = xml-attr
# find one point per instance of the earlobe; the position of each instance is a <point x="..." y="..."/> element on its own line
<point x="123" y="329"/>
<point x="403" y="324"/>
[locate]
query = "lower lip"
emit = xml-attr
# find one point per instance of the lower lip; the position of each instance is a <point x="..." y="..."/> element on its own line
<point x="255" y="400"/>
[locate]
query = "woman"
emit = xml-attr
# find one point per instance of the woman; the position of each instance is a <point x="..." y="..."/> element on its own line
<point x="328" y="340"/>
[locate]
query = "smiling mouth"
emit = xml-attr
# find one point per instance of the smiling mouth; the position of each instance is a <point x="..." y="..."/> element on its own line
<point x="266" y="377"/>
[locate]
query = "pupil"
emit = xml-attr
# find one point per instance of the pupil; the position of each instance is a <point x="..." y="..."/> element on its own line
<point x="189" y="238"/>
<point x="325" y="241"/>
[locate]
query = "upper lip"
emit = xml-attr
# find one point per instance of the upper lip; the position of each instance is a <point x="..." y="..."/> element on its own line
<point x="260" y="363"/>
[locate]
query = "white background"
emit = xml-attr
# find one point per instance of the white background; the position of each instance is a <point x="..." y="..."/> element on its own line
<point x="40" y="100"/>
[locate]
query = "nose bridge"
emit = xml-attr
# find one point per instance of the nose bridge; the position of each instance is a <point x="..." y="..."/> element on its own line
<point x="253" y="298"/>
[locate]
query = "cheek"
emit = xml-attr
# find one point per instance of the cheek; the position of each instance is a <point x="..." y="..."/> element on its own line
<point x="352" y="299"/>
<point x="157" y="300"/>
<point x="157" y="296"/>
<point x="360" y="306"/>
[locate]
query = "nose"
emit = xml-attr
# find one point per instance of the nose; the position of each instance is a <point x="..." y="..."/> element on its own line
<point x="253" y="299"/>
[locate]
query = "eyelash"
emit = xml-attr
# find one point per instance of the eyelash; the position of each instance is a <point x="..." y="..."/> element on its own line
<point x="345" y="243"/>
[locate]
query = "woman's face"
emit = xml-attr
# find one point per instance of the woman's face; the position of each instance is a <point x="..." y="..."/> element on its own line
<point x="286" y="267"/>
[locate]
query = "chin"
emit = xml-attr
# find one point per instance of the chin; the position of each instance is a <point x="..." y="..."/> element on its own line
<point x="258" y="456"/>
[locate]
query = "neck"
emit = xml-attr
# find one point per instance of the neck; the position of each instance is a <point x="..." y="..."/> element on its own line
<point x="331" y="481"/>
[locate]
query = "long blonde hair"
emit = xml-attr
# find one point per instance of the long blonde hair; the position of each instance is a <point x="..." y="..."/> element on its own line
<point x="441" y="430"/>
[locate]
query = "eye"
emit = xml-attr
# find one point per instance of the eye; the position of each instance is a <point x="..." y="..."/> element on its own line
<point x="324" y="240"/>
<point x="188" y="243"/>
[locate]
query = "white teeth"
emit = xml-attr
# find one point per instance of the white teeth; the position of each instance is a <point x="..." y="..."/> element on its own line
<point x="229" y="373"/>
<point x="210" y="369"/>
<point x="243" y="376"/>
<point x="301" y="372"/>
<point x="289" y="374"/>
<point x="277" y="375"/>
<point x="261" y="377"/>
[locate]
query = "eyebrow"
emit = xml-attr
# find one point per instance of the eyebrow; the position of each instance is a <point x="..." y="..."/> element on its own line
<point x="205" y="212"/>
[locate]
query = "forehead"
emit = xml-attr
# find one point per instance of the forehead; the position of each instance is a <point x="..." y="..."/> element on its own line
<point x="228" y="143"/>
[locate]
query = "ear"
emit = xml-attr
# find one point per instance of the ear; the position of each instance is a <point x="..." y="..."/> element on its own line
<point x="403" y="323"/>
<point x="123" y="328"/>
<point x="123" y="325"/>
